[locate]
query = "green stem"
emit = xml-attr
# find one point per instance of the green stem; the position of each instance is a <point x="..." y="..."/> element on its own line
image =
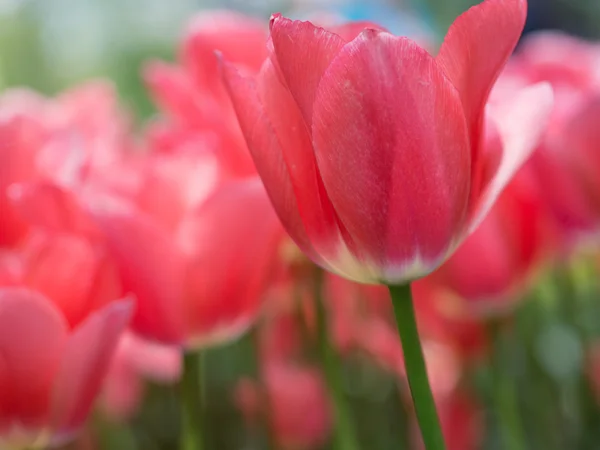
<point x="264" y="432"/>
<point x="344" y="433"/>
<point x="191" y="402"/>
<point x="416" y="371"/>
<point x="505" y="394"/>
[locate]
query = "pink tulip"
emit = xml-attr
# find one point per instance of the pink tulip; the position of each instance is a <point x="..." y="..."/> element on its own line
<point x="195" y="250"/>
<point x="195" y="110"/>
<point x="198" y="271"/>
<point x="566" y="164"/>
<point x="61" y="142"/>
<point x="240" y="38"/>
<point x="74" y="274"/>
<point x="50" y="372"/>
<point x="195" y="247"/>
<point x="378" y="157"/>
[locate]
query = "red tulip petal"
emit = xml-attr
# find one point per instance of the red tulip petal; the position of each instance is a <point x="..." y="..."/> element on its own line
<point x="318" y="215"/>
<point x="350" y="30"/>
<point x="174" y="92"/>
<point x="151" y="267"/>
<point x="303" y="53"/>
<point x="520" y="122"/>
<point x="32" y="336"/>
<point x="582" y="134"/>
<point x="51" y="207"/>
<point x="392" y="147"/>
<point x="233" y="241"/>
<point x="560" y="59"/>
<point x="267" y="153"/>
<point x="475" y="50"/>
<point x="85" y="362"/>
<point x="240" y="39"/>
<point x="493" y="274"/>
<point x="488" y="159"/>
<point x="71" y="272"/>
<point x="20" y="140"/>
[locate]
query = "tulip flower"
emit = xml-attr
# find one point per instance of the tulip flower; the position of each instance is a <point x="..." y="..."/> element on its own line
<point x="162" y="226"/>
<point x="566" y="162"/>
<point x="62" y="142"/>
<point x="378" y="157"/>
<point x="50" y="372"/>
<point x="195" y="110"/>
<point x="199" y="273"/>
<point x="195" y="252"/>
<point x="69" y="270"/>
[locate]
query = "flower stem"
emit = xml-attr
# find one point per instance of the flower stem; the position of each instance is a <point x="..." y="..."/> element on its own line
<point x="344" y="433"/>
<point x="505" y="395"/>
<point x="416" y="371"/>
<point x="191" y="402"/>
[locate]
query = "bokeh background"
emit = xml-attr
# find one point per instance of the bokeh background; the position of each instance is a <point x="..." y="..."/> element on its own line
<point x="51" y="44"/>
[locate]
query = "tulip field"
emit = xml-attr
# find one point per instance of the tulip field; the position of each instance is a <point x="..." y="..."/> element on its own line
<point x="299" y="225"/>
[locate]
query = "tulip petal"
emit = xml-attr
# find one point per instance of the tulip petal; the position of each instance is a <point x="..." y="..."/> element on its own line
<point x="233" y="243"/>
<point x="32" y="336"/>
<point x="582" y="134"/>
<point x="20" y="140"/>
<point x="151" y="267"/>
<point x="475" y="50"/>
<point x="320" y="220"/>
<point x="85" y="362"/>
<point x="174" y="92"/>
<point x="520" y="122"/>
<point x="303" y="52"/>
<point x="267" y="154"/>
<point x="350" y="30"/>
<point x="241" y="39"/>
<point x="71" y="272"/>
<point x="392" y="147"/>
<point x="51" y="207"/>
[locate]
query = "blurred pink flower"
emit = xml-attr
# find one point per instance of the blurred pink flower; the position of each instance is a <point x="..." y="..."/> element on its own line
<point x="566" y="164"/>
<point x="63" y="141"/>
<point x="195" y="109"/>
<point x="50" y="372"/>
